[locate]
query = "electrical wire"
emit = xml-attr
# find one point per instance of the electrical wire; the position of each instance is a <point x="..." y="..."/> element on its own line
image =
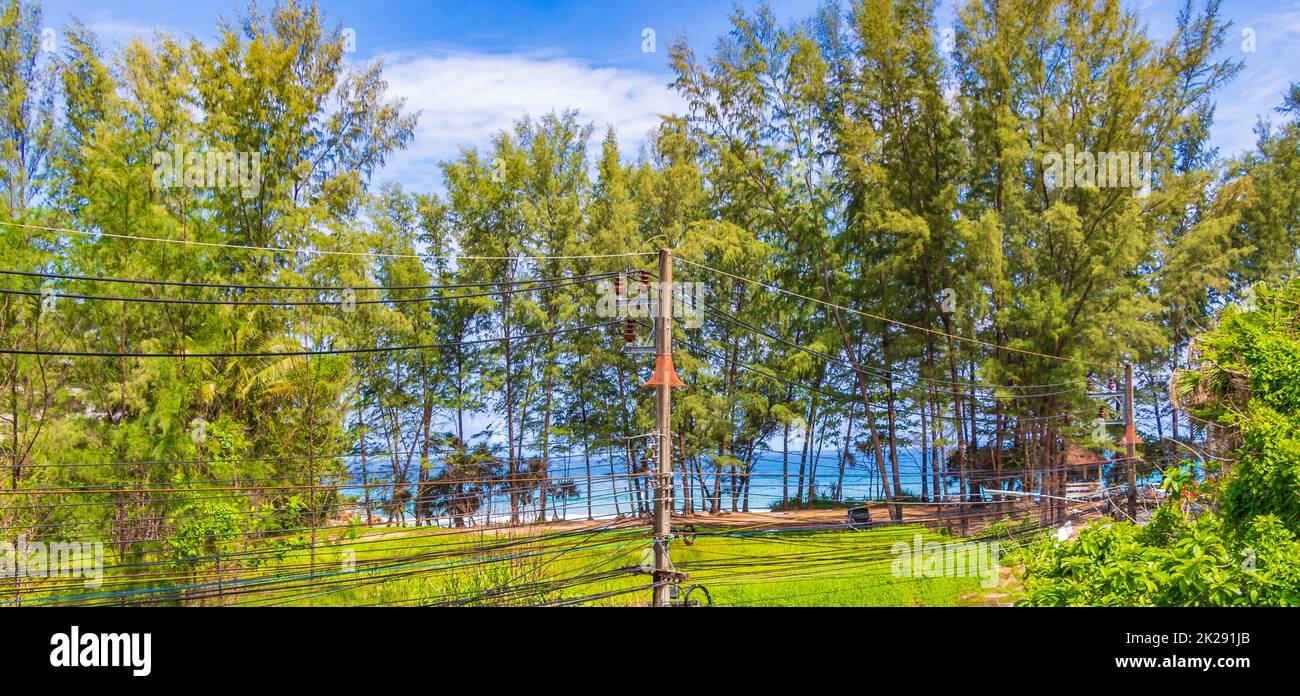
<point x="323" y="252"/>
<point x="894" y="321"/>
<point x="306" y="353"/>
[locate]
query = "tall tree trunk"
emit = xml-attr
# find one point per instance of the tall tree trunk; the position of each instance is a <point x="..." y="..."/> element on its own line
<point x="844" y="459"/>
<point x="891" y="414"/>
<point x="748" y="479"/>
<point x="812" y="470"/>
<point x="716" y="506"/>
<point x="422" y="510"/>
<point x="704" y="484"/>
<point x="544" y="484"/>
<point x="365" y="469"/>
<point x="1173" y="408"/>
<point x="613" y="483"/>
<point x="311" y="460"/>
<point x="633" y="487"/>
<point x="804" y="451"/>
<point x="937" y="462"/>
<point x="512" y="466"/>
<point x="925" y="454"/>
<point x="1155" y="405"/>
<point x="586" y="454"/>
<point x="785" y="465"/>
<point x="958" y="423"/>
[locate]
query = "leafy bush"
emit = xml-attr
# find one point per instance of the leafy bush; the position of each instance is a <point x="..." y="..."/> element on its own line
<point x="1246" y="552"/>
<point x="1252" y="362"/>
<point x="1195" y="563"/>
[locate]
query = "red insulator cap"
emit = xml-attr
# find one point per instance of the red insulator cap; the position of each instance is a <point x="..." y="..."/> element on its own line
<point x="1131" y="437"/>
<point x="665" y="375"/>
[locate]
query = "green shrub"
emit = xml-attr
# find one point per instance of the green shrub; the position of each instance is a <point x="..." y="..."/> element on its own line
<point x="1231" y="538"/>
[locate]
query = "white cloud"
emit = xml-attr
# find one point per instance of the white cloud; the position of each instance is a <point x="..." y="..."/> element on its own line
<point x="1265" y="77"/>
<point x="116" y="33"/>
<point x="466" y="98"/>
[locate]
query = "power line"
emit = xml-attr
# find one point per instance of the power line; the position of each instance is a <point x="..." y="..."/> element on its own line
<point x="304" y="353"/>
<point x="895" y="321"/>
<point x="879" y="371"/>
<point x="297" y="303"/>
<point x="318" y="288"/>
<point x="325" y="252"/>
<point x="839" y="396"/>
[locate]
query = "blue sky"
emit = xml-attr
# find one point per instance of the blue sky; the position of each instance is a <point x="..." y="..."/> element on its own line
<point x="472" y="67"/>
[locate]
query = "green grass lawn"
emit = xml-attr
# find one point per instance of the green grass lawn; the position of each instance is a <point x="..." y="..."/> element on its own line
<point x="738" y="568"/>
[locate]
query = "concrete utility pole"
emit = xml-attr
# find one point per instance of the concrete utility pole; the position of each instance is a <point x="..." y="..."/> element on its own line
<point x="663" y="424"/>
<point x="663" y="380"/>
<point x="1130" y="440"/>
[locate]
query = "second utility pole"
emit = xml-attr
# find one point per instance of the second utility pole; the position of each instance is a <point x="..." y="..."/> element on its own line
<point x="1130" y="441"/>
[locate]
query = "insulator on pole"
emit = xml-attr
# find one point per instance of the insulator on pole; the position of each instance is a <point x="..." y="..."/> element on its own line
<point x="618" y="285"/>
<point x="1130" y="436"/>
<point x="645" y="283"/>
<point x="665" y="374"/>
<point x="629" y="331"/>
<point x="1101" y="412"/>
